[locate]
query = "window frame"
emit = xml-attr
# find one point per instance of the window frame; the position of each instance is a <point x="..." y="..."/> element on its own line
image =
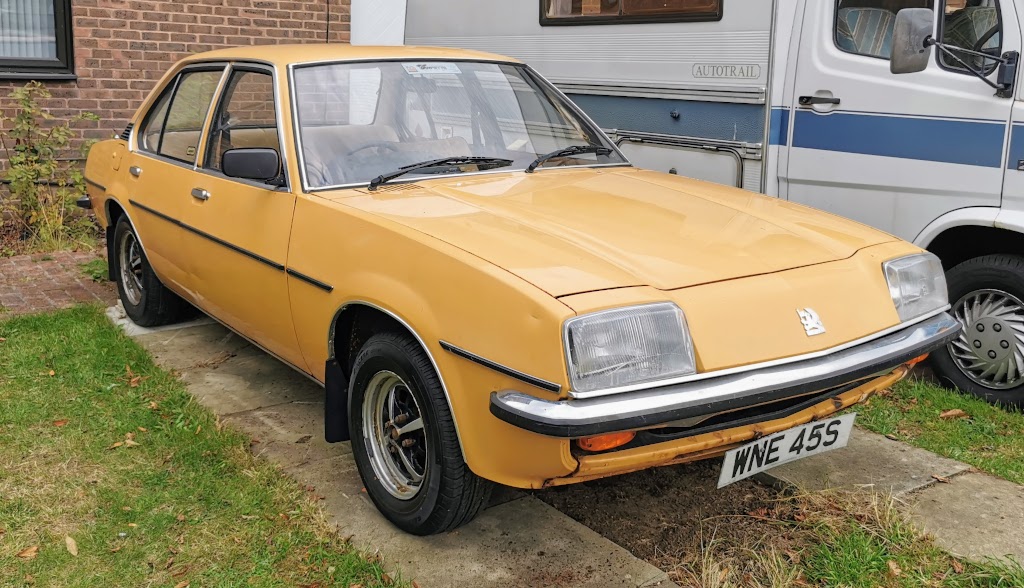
<point x="547" y="21"/>
<point x="835" y="35"/>
<point x="60" y="68"/>
<point x="988" y="70"/>
<point x="218" y="99"/>
<point x="172" y="87"/>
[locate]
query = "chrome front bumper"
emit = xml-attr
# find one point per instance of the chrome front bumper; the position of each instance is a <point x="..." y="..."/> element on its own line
<point x="667" y="404"/>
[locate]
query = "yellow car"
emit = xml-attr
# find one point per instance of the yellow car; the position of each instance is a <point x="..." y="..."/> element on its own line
<point x="487" y="289"/>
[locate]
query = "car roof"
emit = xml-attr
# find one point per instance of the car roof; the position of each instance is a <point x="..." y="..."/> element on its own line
<point x="313" y="52"/>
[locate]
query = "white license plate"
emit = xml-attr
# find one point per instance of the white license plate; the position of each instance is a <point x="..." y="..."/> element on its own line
<point x="784" y="447"/>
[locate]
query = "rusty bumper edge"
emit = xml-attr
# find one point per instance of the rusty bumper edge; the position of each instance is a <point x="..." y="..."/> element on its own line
<point x="661" y="405"/>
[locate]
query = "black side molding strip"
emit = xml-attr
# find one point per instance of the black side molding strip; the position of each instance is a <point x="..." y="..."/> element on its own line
<point x="95" y="184"/>
<point x="205" y="235"/>
<point x="501" y="369"/>
<point x="311" y="281"/>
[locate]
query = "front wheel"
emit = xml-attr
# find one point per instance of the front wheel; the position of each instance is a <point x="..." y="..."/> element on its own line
<point x="987" y="360"/>
<point x="404" y="440"/>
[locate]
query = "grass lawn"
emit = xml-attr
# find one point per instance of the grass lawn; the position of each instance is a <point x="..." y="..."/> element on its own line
<point x="987" y="437"/>
<point x="111" y="475"/>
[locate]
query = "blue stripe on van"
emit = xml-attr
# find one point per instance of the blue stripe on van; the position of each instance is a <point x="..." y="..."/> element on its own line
<point x="928" y="139"/>
<point x="1016" y="155"/>
<point x="778" y="131"/>
<point x="708" y="120"/>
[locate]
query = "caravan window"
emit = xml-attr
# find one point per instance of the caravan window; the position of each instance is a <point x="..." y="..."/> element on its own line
<point x="974" y="25"/>
<point x="864" y="27"/>
<point x="562" y="12"/>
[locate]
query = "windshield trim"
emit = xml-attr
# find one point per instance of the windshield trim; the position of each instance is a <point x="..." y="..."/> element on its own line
<point x="297" y="131"/>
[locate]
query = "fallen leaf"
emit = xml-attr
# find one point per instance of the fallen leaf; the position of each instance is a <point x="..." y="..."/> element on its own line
<point x="955" y="413"/>
<point x="181" y="572"/>
<point x="116" y="549"/>
<point x="71" y="545"/>
<point x="152" y="405"/>
<point x="386" y="579"/>
<point x="894" y="569"/>
<point x="958" y="567"/>
<point x="199" y="428"/>
<point x="142" y="429"/>
<point x="60" y="423"/>
<point x="52" y="373"/>
<point x="181" y="518"/>
<point x="169" y="564"/>
<point x="415" y="584"/>
<point x="892" y="437"/>
<point x="116" y="445"/>
<point x="2" y="340"/>
<point x="29" y="552"/>
<point x="183" y="584"/>
<point x="133" y="525"/>
<point x="355" y="586"/>
<point x="884" y="392"/>
<point x="130" y="443"/>
<point x="30" y="579"/>
<point x="940" y="479"/>
<point x="304" y="439"/>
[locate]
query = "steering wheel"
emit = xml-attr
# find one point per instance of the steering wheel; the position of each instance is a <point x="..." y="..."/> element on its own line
<point x="387" y="145"/>
<point x="985" y="38"/>
<point x="337" y="166"/>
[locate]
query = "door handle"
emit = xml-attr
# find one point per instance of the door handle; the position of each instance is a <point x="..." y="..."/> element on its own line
<point x="200" y="194"/>
<point x="135" y="170"/>
<point x="816" y="100"/>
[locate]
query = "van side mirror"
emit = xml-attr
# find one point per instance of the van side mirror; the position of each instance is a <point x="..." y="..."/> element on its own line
<point x="254" y="163"/>
<point x="911" y="49"/>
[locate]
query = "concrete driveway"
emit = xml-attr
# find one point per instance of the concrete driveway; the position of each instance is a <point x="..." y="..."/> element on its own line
<point x="518" y="541"/>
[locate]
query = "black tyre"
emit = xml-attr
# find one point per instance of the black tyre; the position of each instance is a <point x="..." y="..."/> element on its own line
<point x="404" y="440"/>
<point x="987" y="360"/>
<point x="146" y="301"/>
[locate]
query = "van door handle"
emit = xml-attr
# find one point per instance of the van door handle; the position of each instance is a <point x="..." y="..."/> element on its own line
<point x="135" y="170"/>
<point x="200" y="194"/>
<point x="816" y="100"/>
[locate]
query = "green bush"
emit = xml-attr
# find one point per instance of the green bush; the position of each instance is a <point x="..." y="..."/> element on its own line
<point x="39" y="212"/>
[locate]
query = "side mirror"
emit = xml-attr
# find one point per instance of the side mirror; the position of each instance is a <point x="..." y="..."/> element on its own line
<point x="910" y="49"/>
<point x="256" y="163"/>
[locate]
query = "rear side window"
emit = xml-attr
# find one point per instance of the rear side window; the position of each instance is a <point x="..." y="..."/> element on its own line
<point x="175" y="124"/>
<point x="865" y="27"/>
<point x="559" y="12"/>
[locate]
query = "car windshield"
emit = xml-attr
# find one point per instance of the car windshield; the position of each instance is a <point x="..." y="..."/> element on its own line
<point x="358" y="121"/>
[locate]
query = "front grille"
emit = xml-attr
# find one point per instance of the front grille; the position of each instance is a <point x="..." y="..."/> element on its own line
<point x="127" y="132"/>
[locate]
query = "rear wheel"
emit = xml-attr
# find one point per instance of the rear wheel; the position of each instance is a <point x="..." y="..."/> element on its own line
<point x="987" y="360"/>
<point x="145" y="300"/>
<point x="404" y="440"/>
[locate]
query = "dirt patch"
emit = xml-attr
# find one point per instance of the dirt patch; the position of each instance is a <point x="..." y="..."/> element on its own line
<point x="660" y="515"/>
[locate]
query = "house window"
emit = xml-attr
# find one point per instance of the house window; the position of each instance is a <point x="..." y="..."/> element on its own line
<point x="570" y="12"/>
<point x="35" y="39"/>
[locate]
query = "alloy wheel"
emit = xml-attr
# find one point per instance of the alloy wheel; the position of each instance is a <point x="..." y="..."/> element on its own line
<point x="130" y="261"/>
<point x="395" y="436"/>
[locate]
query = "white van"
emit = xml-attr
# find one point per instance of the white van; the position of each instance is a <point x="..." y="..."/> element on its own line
<point x="797" y="99"/>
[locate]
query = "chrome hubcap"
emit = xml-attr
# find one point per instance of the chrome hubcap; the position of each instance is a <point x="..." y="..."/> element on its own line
<point x="394" y="435"/>
<point x="130" y="261"/>
<point x="990" y="349"/>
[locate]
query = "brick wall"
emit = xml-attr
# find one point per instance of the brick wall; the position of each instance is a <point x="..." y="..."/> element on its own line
<point x="123" y="47"/>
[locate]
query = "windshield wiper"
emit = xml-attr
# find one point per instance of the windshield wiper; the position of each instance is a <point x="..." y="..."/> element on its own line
<point x="574" y="150"/>
<point x="489" y="162"/>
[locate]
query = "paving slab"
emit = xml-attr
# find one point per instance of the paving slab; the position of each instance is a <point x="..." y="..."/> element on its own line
<point x="870" y="460"/>
<point x="975" y="515"/>
<point x="519" y="541"/>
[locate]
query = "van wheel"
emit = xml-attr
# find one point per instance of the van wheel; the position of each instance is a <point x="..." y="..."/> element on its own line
<point x="987" y="360"/>
<point x="146" y="301"/>
<point x="404" y="440"/>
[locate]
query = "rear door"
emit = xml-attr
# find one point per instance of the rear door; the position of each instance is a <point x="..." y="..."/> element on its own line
<point x="167" y="145"/>
<point x="896" y="151"/>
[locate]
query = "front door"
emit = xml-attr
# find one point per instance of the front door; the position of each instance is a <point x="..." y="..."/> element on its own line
<point x="238" y="230"/>
<point x="896" y="151"/>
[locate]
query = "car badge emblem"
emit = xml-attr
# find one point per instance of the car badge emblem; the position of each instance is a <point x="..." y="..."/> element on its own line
<point x="811" y="321"/>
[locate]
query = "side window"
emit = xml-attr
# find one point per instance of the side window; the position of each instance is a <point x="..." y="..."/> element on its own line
<point x="864" y="27"/>
<point x="186" y="115"/>
<point x="623" y="11"/>
<point x="973" y="25"/>
<point x="246" y="116"/>
<point x="153" y="127"/>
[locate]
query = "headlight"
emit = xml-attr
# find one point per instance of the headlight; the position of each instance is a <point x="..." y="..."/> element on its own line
<point x="626" y="346"/>
<point x="917" y="285"/>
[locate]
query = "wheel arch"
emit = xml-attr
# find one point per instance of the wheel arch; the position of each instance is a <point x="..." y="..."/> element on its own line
<point x="114" y="211"/>
<point x="968" y="233"/>
<point x="352" y="324"/>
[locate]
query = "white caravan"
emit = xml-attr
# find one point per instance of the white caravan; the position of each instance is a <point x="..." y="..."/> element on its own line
<point x="798" y="99"/>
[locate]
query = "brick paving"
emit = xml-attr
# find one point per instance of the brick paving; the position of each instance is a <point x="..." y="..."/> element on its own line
<point x="50" y="281"/>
